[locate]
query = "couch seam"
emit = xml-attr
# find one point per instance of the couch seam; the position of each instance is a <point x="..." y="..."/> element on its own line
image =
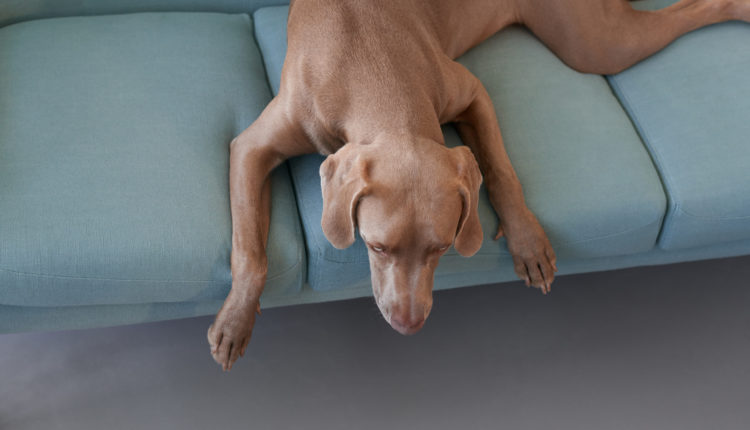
<point x="301" y="248"/>
<point x="170" y="281"/>
<point x="251" y="17"/>
<point x="564" y="244"/>
<point x="304" y="219"/>
<point x="656" y="157"/>
<point x="712" y="218"/>
<point x="677" y="207"/>
<point x="505" y="254"/>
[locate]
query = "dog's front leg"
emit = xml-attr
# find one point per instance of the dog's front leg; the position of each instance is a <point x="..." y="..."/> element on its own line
<point x="253" y="155"/>
<point x="250" y="200"/>
<point x="533" y="258"/>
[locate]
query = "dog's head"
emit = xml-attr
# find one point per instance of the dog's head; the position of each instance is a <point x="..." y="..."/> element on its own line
<point x="410" y="203"/>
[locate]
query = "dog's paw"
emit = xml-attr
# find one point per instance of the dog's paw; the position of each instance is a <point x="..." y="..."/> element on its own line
<point x="230" y="333"/>
<point x="534" y="260"/>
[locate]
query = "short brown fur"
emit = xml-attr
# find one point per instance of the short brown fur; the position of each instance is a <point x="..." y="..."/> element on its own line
<point x="369" y="83"/>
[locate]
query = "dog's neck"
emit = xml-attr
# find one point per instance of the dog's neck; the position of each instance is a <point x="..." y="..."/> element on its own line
<point x="397" y="140"/>
<point x="398" y="126"/>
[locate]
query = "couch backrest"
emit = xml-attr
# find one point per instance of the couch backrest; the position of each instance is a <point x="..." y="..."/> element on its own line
<point x="12" y="11"/>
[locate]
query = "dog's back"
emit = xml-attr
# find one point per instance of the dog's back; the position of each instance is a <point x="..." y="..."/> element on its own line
<point x="347" y="59"/>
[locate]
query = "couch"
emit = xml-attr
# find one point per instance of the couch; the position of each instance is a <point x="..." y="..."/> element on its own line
<point x="116" y="118"/>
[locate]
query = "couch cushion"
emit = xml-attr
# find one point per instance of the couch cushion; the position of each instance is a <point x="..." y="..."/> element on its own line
<point x="584" y="170"/>
<point x="114" y="134"/>
<point x="28" y="318"/>
<point x="691" y="104"/>
<point x="12" y="11"/>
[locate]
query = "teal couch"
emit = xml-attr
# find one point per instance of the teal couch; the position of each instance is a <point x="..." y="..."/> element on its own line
<point x="115" y="121"/>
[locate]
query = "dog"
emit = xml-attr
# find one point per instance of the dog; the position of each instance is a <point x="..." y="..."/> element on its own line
<point x="368" y="83"/>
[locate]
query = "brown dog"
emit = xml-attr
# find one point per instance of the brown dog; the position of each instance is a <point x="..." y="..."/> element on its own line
<point x="369" y="84"/>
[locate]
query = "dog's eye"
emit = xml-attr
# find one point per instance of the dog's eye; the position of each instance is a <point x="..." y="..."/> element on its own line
<point x="377" y="248"/>
<point x="439" y="249"/>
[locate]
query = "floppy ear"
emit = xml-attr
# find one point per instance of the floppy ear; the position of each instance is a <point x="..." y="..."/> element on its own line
<point x="469" y="234"/>
<point x="343" y="179"/>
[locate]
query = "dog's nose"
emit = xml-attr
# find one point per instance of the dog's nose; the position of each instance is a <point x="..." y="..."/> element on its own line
<point x="406" y="323"/>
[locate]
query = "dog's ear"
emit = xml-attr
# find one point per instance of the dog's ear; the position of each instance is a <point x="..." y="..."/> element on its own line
<point x="469" y="234"/>
<point x="343" y="179"/>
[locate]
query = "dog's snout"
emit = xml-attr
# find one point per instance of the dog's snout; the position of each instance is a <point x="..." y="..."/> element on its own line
<point x="405" y="324"/>
<point x="409" y="321"/>
<point x="404" y="295"/>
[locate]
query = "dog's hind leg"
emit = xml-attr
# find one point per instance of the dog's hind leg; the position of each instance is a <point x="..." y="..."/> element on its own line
<point x="608" y="36"/>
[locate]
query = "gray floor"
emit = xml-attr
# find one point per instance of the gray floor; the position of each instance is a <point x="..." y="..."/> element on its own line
<point x="647" y="348"/>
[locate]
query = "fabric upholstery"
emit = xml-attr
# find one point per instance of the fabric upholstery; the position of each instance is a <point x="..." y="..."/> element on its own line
<point x="12" y="11"/>
<point x="26" y="318"/>
<point x="95" y="234"/>
<point x="584" y="170"/>
<point x="114" y="147"/>
<point x="691" y="105"/>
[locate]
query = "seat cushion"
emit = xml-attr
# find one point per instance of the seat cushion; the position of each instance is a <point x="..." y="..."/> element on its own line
<point x="114" y="144"/>
<point x="691" y="105"/>
<point x="585" y="172"/>
<point x="27" y="318"/>
<point x="25" y="10"/>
